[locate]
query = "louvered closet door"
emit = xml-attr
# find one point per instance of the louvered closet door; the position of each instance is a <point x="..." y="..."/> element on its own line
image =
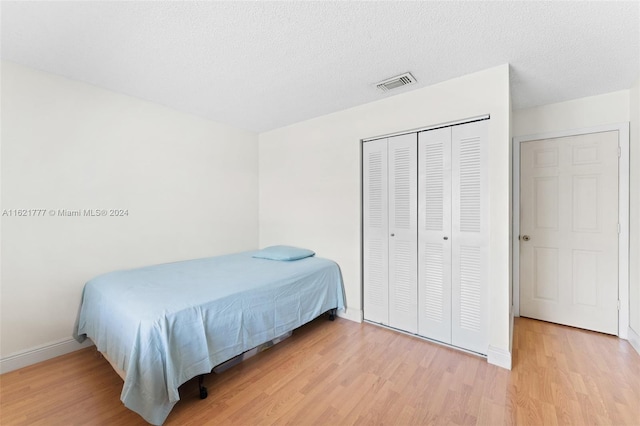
<point x="469" y="237"/>
<point x="403" y="291"/>
<point x="376" y="231"/>
<point x="434" y="234"/>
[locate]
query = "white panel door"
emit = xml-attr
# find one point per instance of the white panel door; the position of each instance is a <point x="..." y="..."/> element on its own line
<point x="403" y="290"/>
<point x="434" y="234"/>
<point x="470" y="236"/>
<point x="376" y="231"/>
<point x="569" y="231"/>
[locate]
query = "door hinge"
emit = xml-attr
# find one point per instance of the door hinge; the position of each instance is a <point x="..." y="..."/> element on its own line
<point x="619" y="229"/>
<point x="619" y="152"/>
<point x="618" y="305"/>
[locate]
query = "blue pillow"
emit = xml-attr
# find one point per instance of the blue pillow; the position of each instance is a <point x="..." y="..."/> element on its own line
<point x="283" y="253"/>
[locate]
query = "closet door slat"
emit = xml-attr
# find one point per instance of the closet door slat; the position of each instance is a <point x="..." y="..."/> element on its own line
<point x="376" y="231"/>
<point x="403" y="218"/>
<point x="434" y="234"/>
<point x="470" y="237"/>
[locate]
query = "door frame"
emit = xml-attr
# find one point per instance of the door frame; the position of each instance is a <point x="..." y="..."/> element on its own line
<point x="623" y="214"/>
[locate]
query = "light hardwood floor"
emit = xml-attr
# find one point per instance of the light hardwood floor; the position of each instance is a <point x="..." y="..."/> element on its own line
<point x="343" y="373"/>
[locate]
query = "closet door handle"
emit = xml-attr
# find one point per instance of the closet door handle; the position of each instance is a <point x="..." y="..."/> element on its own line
<point x="393" y="235"/>
<point x="446" y="238"/>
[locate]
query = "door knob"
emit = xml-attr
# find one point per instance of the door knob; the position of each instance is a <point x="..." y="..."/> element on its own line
<point x="446" y="238"/>
<point x="526" y="237"/>
<point x="393" y="235"/>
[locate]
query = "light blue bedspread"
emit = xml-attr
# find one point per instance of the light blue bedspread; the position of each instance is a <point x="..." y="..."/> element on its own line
<point x="166" y="324"/>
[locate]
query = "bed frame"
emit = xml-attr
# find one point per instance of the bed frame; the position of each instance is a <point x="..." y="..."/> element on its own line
<point x="248" y="354"/>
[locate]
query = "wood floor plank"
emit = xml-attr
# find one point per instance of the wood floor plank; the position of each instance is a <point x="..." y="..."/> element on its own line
<point x="358" y="374"/>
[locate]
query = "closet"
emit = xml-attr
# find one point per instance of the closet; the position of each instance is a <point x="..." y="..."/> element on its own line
<point x="425" y="233"/>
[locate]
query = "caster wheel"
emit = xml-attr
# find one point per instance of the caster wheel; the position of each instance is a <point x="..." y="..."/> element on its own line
<point x="203" y="393"/>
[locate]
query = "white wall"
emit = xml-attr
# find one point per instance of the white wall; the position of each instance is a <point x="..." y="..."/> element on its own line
<point x="592" y="111"/>
<point x="511" y="310"/>
<point x="634" y="247"/>
<point x="190" y="186"/>
<point x="310" y="177"/>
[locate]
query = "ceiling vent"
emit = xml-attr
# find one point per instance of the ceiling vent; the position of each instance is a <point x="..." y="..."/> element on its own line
<point x="397" y="81"/>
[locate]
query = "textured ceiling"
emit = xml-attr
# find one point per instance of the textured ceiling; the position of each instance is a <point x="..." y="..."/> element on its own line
<point x="262" y="65"/>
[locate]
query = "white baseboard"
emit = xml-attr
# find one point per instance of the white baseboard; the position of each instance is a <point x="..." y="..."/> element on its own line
<point x="351" y="314"/>
<point x="634" y="339"/>
<point x="41" y="353"/>
<point x="511" y="328"/>
<point x="499" y="357"/>
<point x="624" y="332"/>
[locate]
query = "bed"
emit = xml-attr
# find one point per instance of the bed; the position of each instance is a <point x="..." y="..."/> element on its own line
<point x="162" y="325"/>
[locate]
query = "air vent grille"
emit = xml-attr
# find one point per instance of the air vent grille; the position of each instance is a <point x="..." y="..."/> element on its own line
<point x="395" y="82"/>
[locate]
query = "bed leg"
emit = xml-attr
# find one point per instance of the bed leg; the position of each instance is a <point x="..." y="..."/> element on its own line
<point x="332" y="314"/>
<point x="203" y="390"/>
